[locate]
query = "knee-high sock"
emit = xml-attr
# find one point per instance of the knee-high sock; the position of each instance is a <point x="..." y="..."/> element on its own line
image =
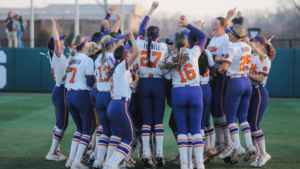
<point x="75" y="142"/>
<point x="146" y="130"/>
<point x="247" y="133"/>
<point x="207" y="140"/>
<point x="119" y="154"/>
<point x="225" y="130"/>
<point x="254" y="142"/>
<point x="99" y="133"/>
<point x="234" y="131"/>
<point x="102" y="147"/>
<point x="159" y="137"/>
<point x="84" y="142"/>
<point x="260" y="139"/>
<point x="219" y="133"/>
<point x="57" y="136"/>
<point x="198" y="148"/>
<point x="211" y="132"/>
<point x="114" y="141"/>
<point x="190" y="149"/>
<point x="182" y="143"/>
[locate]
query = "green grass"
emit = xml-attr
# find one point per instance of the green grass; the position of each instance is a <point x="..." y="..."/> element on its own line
<point x="27" y="121"/>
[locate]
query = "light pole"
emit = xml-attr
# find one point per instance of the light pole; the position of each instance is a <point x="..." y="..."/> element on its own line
<point x="122" y="21"/>
<point x="32" y="25"/>
<point x="76" y="25"/>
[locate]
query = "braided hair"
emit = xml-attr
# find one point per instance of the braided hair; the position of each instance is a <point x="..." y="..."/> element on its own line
<point x="152" y="32"/>
<point x="76" y="42"/>
<point x="106" y="39"/>
<point x="50" y="47"/>
<point x="180" y="42"/>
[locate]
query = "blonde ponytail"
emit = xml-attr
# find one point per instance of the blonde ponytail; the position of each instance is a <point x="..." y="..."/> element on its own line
<point x="77" y="40"/>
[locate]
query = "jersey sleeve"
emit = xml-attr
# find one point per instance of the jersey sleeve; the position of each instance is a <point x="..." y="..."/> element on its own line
<point x="211" y="63"/>
<point x="265" y="68"/>
<point x="89" y="71"/>
<point x="224" y="48"/>
<point x="229" y="55"/>
<point x="140" y="40"/>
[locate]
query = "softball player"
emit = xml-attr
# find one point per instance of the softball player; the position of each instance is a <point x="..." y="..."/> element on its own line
<point x="102" y="64"/>
<point x="237" y="64"/>
<point x="121" y="85"/>
<point x="187" y="101"/>
<point x="79" y="78"/>
<point x="151" y="90"/>
<point x="57" y="60"/>
<point x="259" y="100"/>
<point x="218" y="48"/>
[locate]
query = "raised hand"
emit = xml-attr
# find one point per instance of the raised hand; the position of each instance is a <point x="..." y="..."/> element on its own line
<point x="111" y="10"/>
<point x="183" y="22"/>
<point x="53" y="20"/>
<point x="105" y="24"/>
<point x="155" y="4"/>
<point x="135" y="67"/>
<point x="231" y="13"/>
<point x="128" y="33"/>
<point x="199" y="24"/>
<point x="119" y="16"/>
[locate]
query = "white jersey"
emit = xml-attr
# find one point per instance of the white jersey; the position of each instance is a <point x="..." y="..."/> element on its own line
<point x="218" y="47"/>
<point x="259" y="67"/>
<point x="239" y="58"/>
<point x="189" y="72"/>
<point x="121" y="84"/>
<point x="58" y="67"/>
<point x="159" y="51"/>
<point x="103" y="84"/>
<point x="135" y="87"/>
<point x="205" y="78"/>
<point x="82" y="67"/>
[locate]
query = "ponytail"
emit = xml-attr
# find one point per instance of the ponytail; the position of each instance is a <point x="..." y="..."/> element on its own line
<point x="103" y="53"/>
<point x="105" y="40"/>
<point x="50" y="54"/>
<point x="111" y="71"/>
<point x="178" y="61"/>
<point x="149" y="64"/>
<point x="77" y="40"/>
<point x="251" y="44"/>
<point x="203" y="63"/>
<point x="119" y="55"/>
<point x="271" y="52"/>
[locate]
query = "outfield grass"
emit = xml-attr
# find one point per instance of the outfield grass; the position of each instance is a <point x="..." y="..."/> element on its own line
<point x="27" y="121"/>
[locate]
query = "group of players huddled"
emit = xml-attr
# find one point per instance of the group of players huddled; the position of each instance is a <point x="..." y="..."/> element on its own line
<point x="115" y="87"/>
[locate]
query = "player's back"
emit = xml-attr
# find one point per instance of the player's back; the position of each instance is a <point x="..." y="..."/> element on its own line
<point x="188" y="74"/>
<point x="58" y="67"/>
<point x="101" y="70"/>
<point x="159" y="51"/>
<point x="260" y="67"/>
<point x="239" y="58"/>
<point x="81" y="67"/>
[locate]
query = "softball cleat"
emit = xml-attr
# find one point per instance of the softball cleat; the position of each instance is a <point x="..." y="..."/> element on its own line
<point x="237" y="154"/>
<point x="249" y="153"/>
<point x="226" y="151"/>
<point x="97" y="164"/>
<point x="159" y="160"/>
<point x="262" y="160"/>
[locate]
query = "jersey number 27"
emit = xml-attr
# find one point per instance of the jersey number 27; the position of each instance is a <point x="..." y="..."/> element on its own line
<point x="144" y="59"/>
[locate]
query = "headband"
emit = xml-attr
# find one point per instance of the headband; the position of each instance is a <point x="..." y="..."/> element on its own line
<point x="98" y="38"/>
<point x="234" y="33"/>
<point x="111" y="41"/>
<point x="86" y="39"/>
<point x="155" y="37"/>
<point x="121" y="37"/>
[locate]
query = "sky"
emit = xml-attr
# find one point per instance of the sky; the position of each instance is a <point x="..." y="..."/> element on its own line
<point x="170" y="7"/>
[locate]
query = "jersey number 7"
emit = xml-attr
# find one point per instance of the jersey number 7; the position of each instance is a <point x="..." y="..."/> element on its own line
<point x="74" y="70"/>
<point x="187" y="73"/>
<point x="144" y="59"/>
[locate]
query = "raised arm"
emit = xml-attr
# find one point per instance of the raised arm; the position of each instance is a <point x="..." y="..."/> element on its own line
<point x="136" y="49"/>
<point x="143" y="26"/>
<point x="230" y="14"/>
<point x="57" y="45"/>
<point x="111" y="10"/>
<point x="105" y="24"/>
<point x="117" y="24"/>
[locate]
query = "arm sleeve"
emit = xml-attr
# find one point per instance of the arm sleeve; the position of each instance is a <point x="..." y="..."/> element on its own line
<point x="202" y="38"/>
<point x="168" y="88"/>
<point x="211" y="63"/>
<point x="106" y="18"/>
<point x="143" y="26"/>
<point x="106" y="32"/>
<point x="264" y="68"/>
<point x="90" y="81"/>
<point x="229" y="56"/>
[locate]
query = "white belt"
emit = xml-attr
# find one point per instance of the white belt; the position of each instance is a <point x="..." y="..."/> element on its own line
<point x="120" y="98"/>
<point x="76" y="90"/>
<point x="151" y="76"/>
<point x="103" y="90"/>
<point x="238" y="75"/>
<point x="203" y="83"/>
<point x="195" y="84"/>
